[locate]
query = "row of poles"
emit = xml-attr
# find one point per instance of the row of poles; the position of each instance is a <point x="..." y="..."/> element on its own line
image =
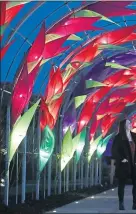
<point x="74" y="176"/>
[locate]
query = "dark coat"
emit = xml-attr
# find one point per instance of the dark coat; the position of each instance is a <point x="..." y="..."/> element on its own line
<point x="121" y="150"/>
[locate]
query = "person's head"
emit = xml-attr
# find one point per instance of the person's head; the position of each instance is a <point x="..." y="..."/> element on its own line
<point x="128" y="125"/>
<point x="125" y="125"/>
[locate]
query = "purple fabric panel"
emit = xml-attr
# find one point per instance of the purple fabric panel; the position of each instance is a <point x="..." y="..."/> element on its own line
<point x="69" y="119"/>
<point x="111" y="8"/>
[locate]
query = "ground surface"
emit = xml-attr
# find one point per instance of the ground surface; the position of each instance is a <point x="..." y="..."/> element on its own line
<point x="106" y="202"/>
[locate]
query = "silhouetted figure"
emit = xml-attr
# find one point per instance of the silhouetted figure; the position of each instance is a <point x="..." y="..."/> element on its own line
<point x="124" y="153"/>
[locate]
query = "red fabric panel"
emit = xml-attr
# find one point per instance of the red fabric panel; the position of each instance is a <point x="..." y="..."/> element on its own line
<point x="55" y="85"/>
<point x="75" y="25"/>
<point x="45" y="117"/>
<point x="131" y="37"/>
<point x="131" y="97"/>
<point x="86" y="54"/>
<point x="12" y="12"/>
<point x="94" y="127"/>
<point x="121" y="93"/>
<point x="116" y="107"/>
<point x="86" y="114"/>
<point x="116" y="36"/>
<point x="107" y="123"/>
<point x="54" y="108"/>
<point x="31" y="79"/>
<point x="2" y="12"/>
<point x="103" y="108"/>
<point x="20" y="94"/>
<point x="4" y="50"/>
<point x="118" y="79"/>
<point x="53" y="48"/>
<point x="100" y="94"/>
<point x="37" y="48"/>
<point x="89" y="107"/>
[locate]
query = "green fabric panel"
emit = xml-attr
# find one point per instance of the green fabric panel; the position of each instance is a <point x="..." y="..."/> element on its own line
<point x="79" y="100"/>
<point x="80" y="145"/>
<point x="74" y="37"/>
<point x="93" y="84"/>
<point x="113" y="47"/>
<point x="102" y="145"/>
<point x="85" y="64"/>
<point x="47" y="146"/>
<point x="14" y="3"/>
<point x="75" y="142"/>
<point x="90" y="13"/>
<point x="115" y="65"/>
<point x="57" y="96"/>
<point x="93" y="146"/>
<point x="20" y="128"/>
<point x="67" y="149"/>
<point x="52" y="37"/>
<point x="2" y="28"/>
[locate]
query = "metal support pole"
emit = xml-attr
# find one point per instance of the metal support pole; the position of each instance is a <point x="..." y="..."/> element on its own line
<point x="82" y="171"/>
<point x="100" y="171"/>
<point x="24" y="170"/>
<point x="44" y="182"/>
<point x="56" y="173"/>
<point x="67" y="178"/>
<point x="96" y="171"/>
<point x="74" y="171"/>
<point x="79" y="172"/>
<point x="86" y="173"/>
<point x="33" y="155"/>
<point x="17" y="177"/>
<point x="112" y="172"/>
<point x="71" y="177"/>
<point x="24" y="145"/>
<point x="49" y="176"/>
<point x="64" y="171"/>
<point x="38" y="158"/>
<point x="6" y="189"/>
<point x="92" y="172"/>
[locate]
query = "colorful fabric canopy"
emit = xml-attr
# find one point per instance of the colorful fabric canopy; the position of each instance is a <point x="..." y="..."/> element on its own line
<point x="80" y="60"/>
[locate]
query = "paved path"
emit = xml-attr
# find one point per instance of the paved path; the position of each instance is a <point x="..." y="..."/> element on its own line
<point x="106" y="202"/>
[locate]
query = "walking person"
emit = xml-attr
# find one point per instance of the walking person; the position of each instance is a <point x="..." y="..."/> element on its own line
<point x="124" y="153"/>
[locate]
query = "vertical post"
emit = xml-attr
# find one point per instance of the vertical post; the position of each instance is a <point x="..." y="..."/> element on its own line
<point x="59" y="176"/>
<point x="100" y="170"/>
<point x="49" y="176"/>
<point x="86" y="172"/>
<point x="33" y="155"/>
<point x="87" y="145"/>
<point x="38" y="158"/>
<point x="92" y="173"/>
<point x="67" y="178"/>
<point x="24" y="144"/>
<point x="64" y="177"/>
<point x="74" y="171"/>
<point x="112" y="171"/>
<point x="56" y="170"/>
<point x="79" y="172"/>
<point x="24" y="170"/>
<point x="6" y="189"/>
<point x="17" y="177"/>
<point x="82" y="171"/>
<point x="44" y="182"/>
<point x="96" y="171"/>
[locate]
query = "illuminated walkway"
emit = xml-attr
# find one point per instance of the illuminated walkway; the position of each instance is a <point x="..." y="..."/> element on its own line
<point x="105" y="202"/>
